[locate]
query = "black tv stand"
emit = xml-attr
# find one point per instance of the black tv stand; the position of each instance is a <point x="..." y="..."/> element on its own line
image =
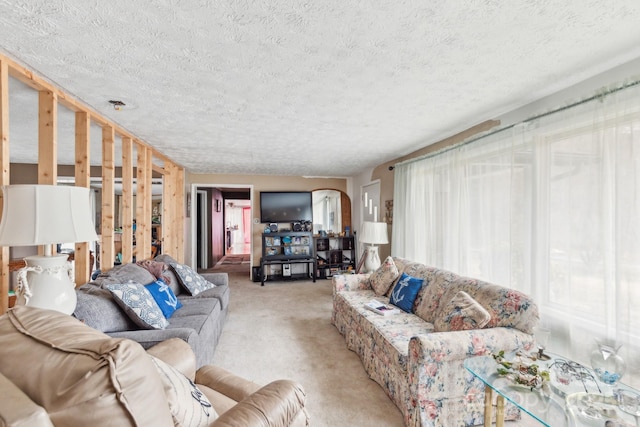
<point x="288" y="248"/>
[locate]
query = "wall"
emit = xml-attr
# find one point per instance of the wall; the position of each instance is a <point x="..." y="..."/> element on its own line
<point x="259" y="183"/>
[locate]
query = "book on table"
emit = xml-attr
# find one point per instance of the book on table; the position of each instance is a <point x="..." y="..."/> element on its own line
<point x="381" y="308"/>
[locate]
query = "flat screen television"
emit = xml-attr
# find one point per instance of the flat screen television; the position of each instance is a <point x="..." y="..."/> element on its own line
<point x="285" y="206"/>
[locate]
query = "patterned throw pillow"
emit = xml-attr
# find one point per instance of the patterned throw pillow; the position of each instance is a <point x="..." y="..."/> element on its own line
<point x="405" y="292"/>
<point x="164" y="297"/>
<point x="192" y="281"/>
<point x="461" y="314"/>
<point x="382" y="279"/>
<point x="139" y="305"/>
<point x="188" y="405"/>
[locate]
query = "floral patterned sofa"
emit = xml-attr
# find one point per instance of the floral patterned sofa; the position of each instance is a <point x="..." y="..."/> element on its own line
<point x="418" y="357"/>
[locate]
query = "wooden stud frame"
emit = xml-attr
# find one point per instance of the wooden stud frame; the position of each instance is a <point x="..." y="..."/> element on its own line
<point x="50" y="98"/>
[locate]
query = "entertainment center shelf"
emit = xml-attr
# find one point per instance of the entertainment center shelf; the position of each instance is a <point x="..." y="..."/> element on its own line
<point x="282" y="250"/>
<point x="334" y="254"/>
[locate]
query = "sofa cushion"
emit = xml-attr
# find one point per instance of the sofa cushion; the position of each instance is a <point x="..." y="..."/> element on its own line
<point x="139" y="305"/>
<point x="79" y="375"/>
<point x="188" y="405"/>
<point x="405" y="292"/>
<point x="97" y="308"/>
<point x="191" y="280"/>
<point x="164" y="297"/>
<point x="461" y="313"/>
<point x="382" y="279"/>
<point x="122" y="274"/>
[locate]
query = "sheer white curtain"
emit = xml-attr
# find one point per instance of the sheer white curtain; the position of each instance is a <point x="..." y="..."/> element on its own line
<point x="550" y="207"/>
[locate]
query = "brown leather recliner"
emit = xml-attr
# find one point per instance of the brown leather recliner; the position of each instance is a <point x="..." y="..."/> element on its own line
<point x="56" y="371"/>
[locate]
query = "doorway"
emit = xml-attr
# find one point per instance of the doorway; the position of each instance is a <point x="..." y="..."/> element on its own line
<point x="237" y="216"/>
<point x="221" y="224"/>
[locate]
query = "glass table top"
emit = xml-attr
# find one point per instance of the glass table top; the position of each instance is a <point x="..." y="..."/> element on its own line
<point x="576" y="400"/>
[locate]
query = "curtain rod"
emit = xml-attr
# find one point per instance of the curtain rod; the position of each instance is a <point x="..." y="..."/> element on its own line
<point x="597" y="96"/>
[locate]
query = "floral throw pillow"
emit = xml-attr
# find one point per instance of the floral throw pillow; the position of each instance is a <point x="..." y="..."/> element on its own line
<point x="462" y="313"/>
<point x="405" y="292"/>
<point x="382" y="279"/>
<point x="139" y="305"/>
<point x="188" y="405"/>
<point x="191" y="280"/>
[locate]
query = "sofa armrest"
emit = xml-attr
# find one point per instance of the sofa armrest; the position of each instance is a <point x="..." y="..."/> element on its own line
<point x="225" y="382"/>
<point x="350" y="282"/>
<point x="276" y="404"/>
<point x="436" y="360"/>
<point x="438" y="347"/>
<point x="17" y="410"/>
<point x="178" y="354"/>
<point x="216" y="278"/>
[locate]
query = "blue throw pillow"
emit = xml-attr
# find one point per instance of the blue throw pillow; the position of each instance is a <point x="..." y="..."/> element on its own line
<point x="164" y="296"/>
<point x="405" y="292"/>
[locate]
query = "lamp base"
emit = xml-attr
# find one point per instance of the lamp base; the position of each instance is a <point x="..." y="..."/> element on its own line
<point x="372" y="262"/>
<point x="46" y="282"/>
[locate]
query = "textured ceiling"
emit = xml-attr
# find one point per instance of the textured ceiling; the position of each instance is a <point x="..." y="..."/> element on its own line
<point x="313" y="88"/>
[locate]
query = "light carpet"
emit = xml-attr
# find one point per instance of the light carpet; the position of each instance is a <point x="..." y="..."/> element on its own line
<point x="284" y="330"/>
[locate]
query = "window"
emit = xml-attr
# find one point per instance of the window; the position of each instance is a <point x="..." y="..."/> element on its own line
<point x="550" y="207"/>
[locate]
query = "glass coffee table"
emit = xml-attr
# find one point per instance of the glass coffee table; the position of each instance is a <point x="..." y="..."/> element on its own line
<point x="577" y="401"/>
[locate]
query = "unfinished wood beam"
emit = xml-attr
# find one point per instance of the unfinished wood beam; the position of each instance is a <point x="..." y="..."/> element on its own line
<point x="107" y="255"/>
<point x="47" y="142"/>
<point x="127" y="200"/>
<point x="32" y="80"/>
<point x="4" y="178"/>
<point x="148" y="198"/>
<point x="142" y="219"/>
<point x="82" y="179"/>
<point x="168" y="210"/>
<point x="47" y="138"/>
<point x="179" y="215"/>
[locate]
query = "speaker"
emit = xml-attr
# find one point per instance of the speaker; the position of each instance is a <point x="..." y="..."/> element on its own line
<point x="297" y="226"/>
<point x="273" y="227"/>
<point x="286" y="270"/>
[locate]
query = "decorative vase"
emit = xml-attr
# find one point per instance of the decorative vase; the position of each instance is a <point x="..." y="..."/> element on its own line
<point x="607" y="364"/>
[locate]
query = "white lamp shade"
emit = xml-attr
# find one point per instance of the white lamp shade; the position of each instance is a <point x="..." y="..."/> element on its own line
<point x="46" y="214"/>
<point x="374" y="233"/>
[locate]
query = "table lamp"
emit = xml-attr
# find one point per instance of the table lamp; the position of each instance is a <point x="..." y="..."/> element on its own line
<point x="45" y="215"/>
<point x="373" y="233"/>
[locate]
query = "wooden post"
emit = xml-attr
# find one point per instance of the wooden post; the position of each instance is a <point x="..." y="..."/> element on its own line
<point x="168" y="209"/>
<point x="82" y="179"/>
<point x="4" y="178"/>
<point x="47" y="141"/>
<point x="179" y="215"/>
<point x="127" y="200"/>
<point x="142" y="222"/>
<point x="108" y="176"/>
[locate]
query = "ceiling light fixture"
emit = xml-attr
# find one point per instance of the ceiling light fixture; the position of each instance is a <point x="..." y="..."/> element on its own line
<point x="117" y="105"/>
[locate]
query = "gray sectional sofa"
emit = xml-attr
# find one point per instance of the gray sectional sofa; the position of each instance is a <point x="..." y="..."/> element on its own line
<point x="199" y="321"/>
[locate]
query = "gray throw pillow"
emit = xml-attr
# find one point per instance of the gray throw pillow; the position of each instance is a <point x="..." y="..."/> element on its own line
<point x="191" y="280"/>
<point x="139" y="305"/>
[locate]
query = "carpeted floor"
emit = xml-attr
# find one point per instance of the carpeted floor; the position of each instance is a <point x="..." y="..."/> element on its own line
<point x="283" y="330"/>
<point x="235" y="259"/>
